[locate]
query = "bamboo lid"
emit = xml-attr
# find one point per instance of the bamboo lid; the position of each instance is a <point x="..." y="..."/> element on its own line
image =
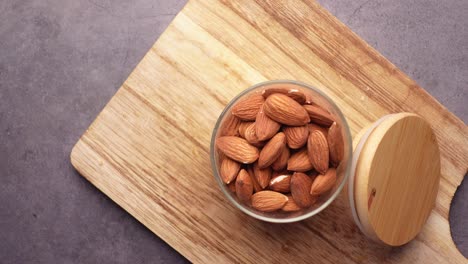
<point x="396" y="167"/>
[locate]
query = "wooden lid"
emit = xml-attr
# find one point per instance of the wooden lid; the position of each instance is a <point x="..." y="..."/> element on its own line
<point x="397" y="173"/>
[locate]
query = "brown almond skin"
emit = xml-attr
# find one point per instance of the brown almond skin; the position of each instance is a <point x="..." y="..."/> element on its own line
<point x="313" y="174"/>
<point x="229" y="170"/>
<point x="309" y="99"/>
<point x="272" y="150"/>
<point x="265" y="127"/>
<point x="300" y="189"/>
<point x="244" y="187"/>
<point x="279" y="173"/>
<point x="237" y="149"/>
<point x="312" y="127"/>
<point x="232" y="186"/>
<point x="243" y="127"/>
<point x="319" y="115"/>
<point x="280" y="183"/>
<point x="335" y="144"/>
<point x="250" y="134"/>
<point x="285" y="110"/>
<point x="268" y="201"/>
<point x="282" y="161"/>
<point x="294" y="94"/>
<point x="300" y="161"/>
<point x="247" y="109"/>
<point x="296" y="137"/>
<point x="323" y="182"/>
<point x="230" y="126"/>
<point x="291" y="205"/>
<point x="262" y="176"/>
<point x="318" y="151"/>
<point x="256" y="185"/>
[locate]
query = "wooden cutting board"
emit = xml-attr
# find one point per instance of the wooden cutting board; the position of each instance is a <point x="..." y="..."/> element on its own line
<point x="148" y="149"/>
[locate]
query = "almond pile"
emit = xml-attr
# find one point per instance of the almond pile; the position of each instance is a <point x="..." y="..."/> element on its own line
<point x="278" y="150"/>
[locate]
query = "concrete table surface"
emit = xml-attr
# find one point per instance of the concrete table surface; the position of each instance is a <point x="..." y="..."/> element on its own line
<point x="61" y="61"/>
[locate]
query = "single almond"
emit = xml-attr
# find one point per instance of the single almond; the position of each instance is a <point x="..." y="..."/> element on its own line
<point x="272" y="150"/>
<point x="281" y="183"/>
<point x="300" y="189"/>
<point x="335" y="144"/>
<point x="317" y="148"/>
<point x="262" y="176"/>
<point x="300" y="161"/>
<point x="250" y="135"/>
<point x="323" y="182"/>
<point x="243" y="127"/>
<point x="247" y="109"/>
<point x="265" y="127"/>
<point x="291" y="205"/>
<point x="296" y="136"/>
<point x="295" y="94"/>
<point x="256" y="185"/>
<point x="229" y="126"/>
<point x="319" y="115"/>
<point x="282" y="161"/>
<point x="244" y="187"/>
<point x="237" y="149"/>
<point x="312" y="127"/>
<point x="285" y="110"/>
<point x="229" y="170"/>
<point x="268" y="201"/>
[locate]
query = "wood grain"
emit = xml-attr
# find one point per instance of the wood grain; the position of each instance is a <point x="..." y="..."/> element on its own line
<point x="397" y="178"/>
<point x="148" y="148"/>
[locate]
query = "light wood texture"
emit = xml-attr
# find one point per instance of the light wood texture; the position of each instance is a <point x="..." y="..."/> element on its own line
<point x="397" y="178"/>
<point x="148" y="149"/>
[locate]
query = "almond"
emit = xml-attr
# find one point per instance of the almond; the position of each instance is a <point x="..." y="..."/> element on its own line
<point x="237" y="149"/>
<point x="229" y="170"/>
<point x="291" y="206"/>
<point x="265" y="127"/>
<point x="335" y="144"/>
<point x="317" y="147"/>
<point x="313" y="127"/>
<point x="256" y="185"/>
<point x="280" y="183"/>
<point x="244" y="187"/>
<point x="300" y="189"/>
<point x="268" y="201"/>
<point x="282" y="161"/>
<point x="294" y="94"/>
<point x="285" y="110"/>
<point x="248" y="108"/>
<point x="243" y="127"/>
<point x="319" y="115"/>
<point x="262" y="176"/>
<point x="323" y="182"/>
<point x="296" y="136"/>
<point x="300" y="161"/>
<point x="272" y="150"/>
<point x="250" y="135"/>
<point x="230" y="125"/>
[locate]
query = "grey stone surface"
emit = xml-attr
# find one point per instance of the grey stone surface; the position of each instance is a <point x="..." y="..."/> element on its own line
<point x="61" y="61"/>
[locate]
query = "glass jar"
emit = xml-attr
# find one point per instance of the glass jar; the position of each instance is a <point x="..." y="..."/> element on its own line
<point x="314" y="96"/>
